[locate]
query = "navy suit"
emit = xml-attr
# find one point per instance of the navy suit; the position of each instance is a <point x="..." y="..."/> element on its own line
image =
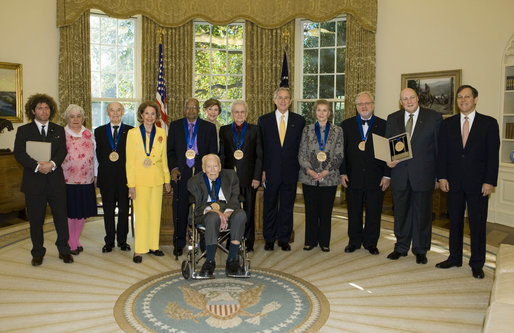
<point x="467" y="169"/>
<point x="280" y="163"/>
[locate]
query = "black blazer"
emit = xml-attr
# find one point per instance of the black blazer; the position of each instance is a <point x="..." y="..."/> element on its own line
<point x="466" y="169"/>
<point x="110" y="173"/>
<point x="420" y="171"/>
<point x="281" y="163"/>
<point x="250" y="166"/>
<point x="363" y="169"/>
<point x="206" y="143"/>
<point x="37" y="183"/>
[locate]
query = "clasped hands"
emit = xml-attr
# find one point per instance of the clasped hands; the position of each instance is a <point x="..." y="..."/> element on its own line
<point x="317" y="176"/>
<point x="224" y="216"/>
<point x="45" y="167"/>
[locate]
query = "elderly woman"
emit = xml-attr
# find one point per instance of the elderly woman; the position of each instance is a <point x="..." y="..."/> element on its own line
<point x="212" y="109"/>
<point x="147" y="171"/>
<point x="79" y="169"/>
<point x="320" y="155"/>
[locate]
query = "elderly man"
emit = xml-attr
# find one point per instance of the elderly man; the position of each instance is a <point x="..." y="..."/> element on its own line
<point x="43" y="180"/>
<point x="111" y="141"/>
<point x="241" y="147"/>
<point x="413" y="180"/>
<point x="216" y="194"/>
<point x="189" y="139"/>
<point x="469" y="145"/>
<point x="364" y="177"/>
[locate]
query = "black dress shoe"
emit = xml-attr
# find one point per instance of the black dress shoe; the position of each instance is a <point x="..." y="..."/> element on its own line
<point x="157" y="253"/>
<point x="308" y="247"/>
<point x="233" y="269"/>
<point x="396" y="255"/>
<point x="373" y="250"/>
<point x="269" y="246"/>
<point x="447" y="264"/>
<point x="137" y="259"/>
<point x="350" y="248"/>
<point x="177" y="251"/>
<point x="124" y="247"/>
<point x="285" y="246"/>
<point x="75" y="252"/>
<point x="67" y="258"/>
<point x="421" y="259"/>
<point x="325" y="249"/>
<point x="107" y="248"/>
<point x="37" y="261"/>
<point x="80" y="248"/>
<point x="207" y="270"/>
<point x="478" y="273"/>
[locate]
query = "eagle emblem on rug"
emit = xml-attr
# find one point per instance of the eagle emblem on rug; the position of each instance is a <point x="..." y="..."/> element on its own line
<point x="222" y="303"/>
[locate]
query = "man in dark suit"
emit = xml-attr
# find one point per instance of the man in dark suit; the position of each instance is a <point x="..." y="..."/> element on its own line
<point x="413" y="180"/>
<point x="43" y="181"/>
<point x="468" y="162"/>
<point x="241" y="147"/>
<point x="111" y="141"/>
<point x="364" y="177"/>
<point x="281" y="134"/>
<point x="216" y="194"/>
<point x="189" y="139"/>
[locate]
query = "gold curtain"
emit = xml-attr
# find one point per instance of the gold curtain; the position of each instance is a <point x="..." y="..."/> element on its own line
<point x="264" y="55"/>
<point x="360" y="63"/>
<point x="177" y="48"/>
<point x="75" y="68"/>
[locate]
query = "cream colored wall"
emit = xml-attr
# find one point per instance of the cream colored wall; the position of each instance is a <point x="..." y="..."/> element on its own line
<point x="29" y="36"/>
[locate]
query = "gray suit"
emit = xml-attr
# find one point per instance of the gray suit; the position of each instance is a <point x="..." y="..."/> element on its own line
<point x="230" y="187"/>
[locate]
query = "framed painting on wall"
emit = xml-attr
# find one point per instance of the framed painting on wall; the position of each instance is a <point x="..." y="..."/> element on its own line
<point x="11" y="99"/>
<point x="436" y="90"/>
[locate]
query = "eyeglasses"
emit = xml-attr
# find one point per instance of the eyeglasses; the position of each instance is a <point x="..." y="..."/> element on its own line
<point x="191" y="108"/>
<point x="362" y="104"/>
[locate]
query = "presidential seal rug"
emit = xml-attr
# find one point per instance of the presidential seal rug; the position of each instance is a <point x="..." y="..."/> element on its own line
<point x="268" y="301"/>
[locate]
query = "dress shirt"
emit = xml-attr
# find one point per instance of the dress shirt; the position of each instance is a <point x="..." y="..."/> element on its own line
<point x="365" y="126"/>
<point x="39" y="126"/>
<point x="278" y="115"/>
<point x="470" y="116"/>
<point x="221" y="197"/>
<point x="414" y="119"/>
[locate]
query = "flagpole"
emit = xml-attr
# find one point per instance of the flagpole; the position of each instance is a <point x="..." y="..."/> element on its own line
<point x="160" y="96"/>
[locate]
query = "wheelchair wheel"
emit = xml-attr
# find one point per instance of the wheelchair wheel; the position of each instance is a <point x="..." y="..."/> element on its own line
<point x="186" y="269"/>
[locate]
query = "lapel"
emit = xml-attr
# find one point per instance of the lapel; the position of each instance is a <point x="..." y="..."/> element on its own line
<point x="420" y="124"/>
<point x="474" y="131"/>
<point x="274" y="131"/>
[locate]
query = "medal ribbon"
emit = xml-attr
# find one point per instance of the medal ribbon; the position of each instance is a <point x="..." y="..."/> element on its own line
<point x="243" y="131"/>
<point x="195" y="131"/>
<point x="370" y="123"/>
<point x="217" y="186"/>
<point x="143" y="135"/>
<point x="109" y="136"/>
<point x="318" y="135"/>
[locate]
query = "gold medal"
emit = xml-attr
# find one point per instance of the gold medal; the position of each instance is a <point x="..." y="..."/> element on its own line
<point x="362" y="145"/>
<point x="190" y="154"/>
<point x="238" y="154"/>
<point x="322" y="157"/>
<point x="215" y="206"/>
<point x="399" y="146"/>
<point x="114" y="156"/>
<point x="147" y="162"/>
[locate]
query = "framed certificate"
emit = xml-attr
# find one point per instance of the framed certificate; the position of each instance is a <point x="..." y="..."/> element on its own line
<point x="396" y="148"/>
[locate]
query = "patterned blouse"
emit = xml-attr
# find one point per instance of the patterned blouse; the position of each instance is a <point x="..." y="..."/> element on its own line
<point x="80" y="164"/>
<point x="309" y="148"/>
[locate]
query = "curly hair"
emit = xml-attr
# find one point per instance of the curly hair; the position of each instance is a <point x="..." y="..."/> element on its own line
<point x="142" y="108"/>
<point x="36" y="99"/>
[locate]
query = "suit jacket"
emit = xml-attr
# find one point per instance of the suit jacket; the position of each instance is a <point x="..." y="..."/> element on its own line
<point x="206" y="141"/>
<point x="229" y="186"/>
<point x="36" y="182"/>
<point x="281" y="163"/>
<point x="467" y="168"/>
<point x="250" y="166"/>
<point x="363" y="169"/>
<point x="137" y="173"/>
<point x="420" y="171"/>
<point x="110" y="173"/>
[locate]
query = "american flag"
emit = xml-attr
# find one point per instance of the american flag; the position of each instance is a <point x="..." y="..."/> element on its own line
<point x="160" y="96"/>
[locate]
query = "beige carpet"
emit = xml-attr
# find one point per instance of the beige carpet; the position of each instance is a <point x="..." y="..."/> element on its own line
<point x="366" y="293"/>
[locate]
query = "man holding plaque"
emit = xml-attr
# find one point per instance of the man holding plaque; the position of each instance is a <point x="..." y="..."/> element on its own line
<point x="364" y="177"/>
<point x="189" y="139"/>
<point x="111" y="141"/>
<point x="43" y="178"/>
<point x="241" y="148"/>
<point x="281" y="134"/>
<point x="413" y="180"/>
<point x="468" y="161"/>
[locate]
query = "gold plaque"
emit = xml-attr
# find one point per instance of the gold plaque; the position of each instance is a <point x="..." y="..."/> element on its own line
<point x="238" y="154"/>
<point x="399" y="146"/>
<point x="147" y="162"/>
<point x="215" y="206"/>
<point x="114" y="156"/>
<point x="190" y="154"/>
<point x="362" y="145"/>
<point x="322" y="157"/>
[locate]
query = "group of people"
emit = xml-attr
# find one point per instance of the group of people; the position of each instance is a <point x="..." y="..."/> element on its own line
<point x="218" y="165"/>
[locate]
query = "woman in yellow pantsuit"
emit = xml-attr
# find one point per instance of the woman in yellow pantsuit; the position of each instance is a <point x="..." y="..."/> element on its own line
<point x="147" y="170"/>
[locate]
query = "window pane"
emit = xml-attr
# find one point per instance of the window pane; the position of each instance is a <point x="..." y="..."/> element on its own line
<point x="328" y="34"/>
<point x="310" y="86"/>
<point x="326" y="86"/>
<point x="126" y="59"/>
<point x="310" y="35"/>
<point x="219" y="37"/>
<point x="235" y="87"/>
<point x="202" y="59"/>
<point x="126" y="86"/>
<point x="96" y="114"/>
<point x="341" y="60"/>
<point x="225" y="117"/>
<point x="108" y="58"/>
<point x="126" y="32"/>
<point x="202" y="90"/>
<point x="108" y="85"/>
<point x="95" y="58"/>
<point x="218" y="62"/>
<point x="310" y="61"/>
<point x="130" y="114"/>
<point x="235" y="62"/>
<point x="341" y="33"/>
<point x="340" y="86"/>
<point x="306" y="111"/>
<point x="108" y="30"/>
<point x="235" y="37"/>
<point x="95" y="85"/>
<point x="202" y="36"/>
<point x="94" y="29"/>
<point x="218" y="88"/>
<point x="326" y="61"/>
<point x="338" y="112"/>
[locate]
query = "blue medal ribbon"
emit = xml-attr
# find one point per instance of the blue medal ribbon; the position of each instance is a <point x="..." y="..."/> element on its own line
<point x="217" y="186"/>
<point x="143" y="135"/>
<point x="318" y="135"/>
<point x="195" y="131"/>
<point x="238" y="143"/>
<point x="109" y="136"/>
<point x="359" y="122"/>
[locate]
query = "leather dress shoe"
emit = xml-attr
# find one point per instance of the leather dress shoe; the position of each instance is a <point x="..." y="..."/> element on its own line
<point x="124" y="247"/>
<point x="107" y="248"/>
<point x="325" y="249"/>
<point x="421" y="259"/>
<point x="80" y="248"/>
<point x="285" y="246"/>
<point x="207" y="270"/>
<point x="478" y="273"/>
<point x="350" y="248"/>
<point x="447" y="264"/>
<point x="67" y="258"/>
<point x="269" y="246"/>
<point x="395" y="255"/>
<point x="137" y="259"/>
<point x="308" y="247"/>
<point x="233" y="269"/>
<point x="373" y="250"/>
<point x="157" y="253"/>
<point x="75" y="252"/>
<point x="36" y="261"/>
<point x="177" y="251"/>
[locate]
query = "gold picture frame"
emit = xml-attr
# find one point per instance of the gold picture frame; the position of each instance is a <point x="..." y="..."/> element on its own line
<point x="11" y="92"/>
<point x="436" y="90"/>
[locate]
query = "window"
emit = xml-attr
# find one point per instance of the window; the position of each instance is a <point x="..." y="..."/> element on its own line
<point x="323" y="54"/>
<point x="219" y="64"/>
<point x="114" y="70"/>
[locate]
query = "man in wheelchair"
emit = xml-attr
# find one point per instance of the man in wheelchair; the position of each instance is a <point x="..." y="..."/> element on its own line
<point x="217" y="208"/>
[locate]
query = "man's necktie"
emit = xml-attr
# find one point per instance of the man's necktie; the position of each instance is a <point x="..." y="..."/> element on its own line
<point x="408" y="127"/>
<point x="115" y="136"/>
<point x="465" y="131"/>
<point x="282" y="130"/>
<point x="213" y="193"/>
<point x="43" y="133"/>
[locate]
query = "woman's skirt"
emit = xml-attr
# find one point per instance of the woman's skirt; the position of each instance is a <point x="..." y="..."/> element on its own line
<point x="81" y="200"/>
